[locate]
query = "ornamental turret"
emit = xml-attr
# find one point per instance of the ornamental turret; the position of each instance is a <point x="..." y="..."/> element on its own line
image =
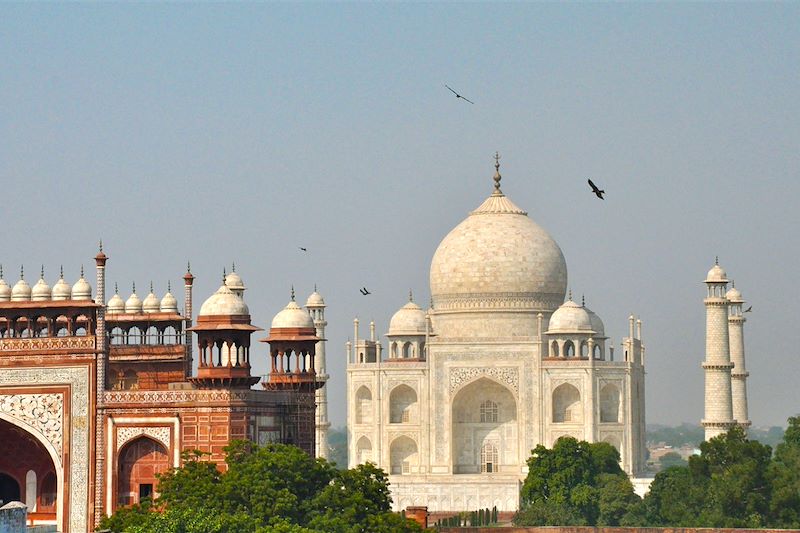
<point x="739" y="372"/>
<point x="315" y="305"/>
<point x="718" y="417"/>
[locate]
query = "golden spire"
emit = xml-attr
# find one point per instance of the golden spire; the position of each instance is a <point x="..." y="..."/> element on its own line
<point x="497" y="176"/>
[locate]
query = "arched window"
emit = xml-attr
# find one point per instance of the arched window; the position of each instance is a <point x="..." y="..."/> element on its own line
<point x="402" y="405"/>
<point x="363" y="451"/>
<point x="140" y="461"/>
<point x="488" y="411"/>
<point x="171" y="335"/>
<point x="569" y="349"/>
<point x="117" y="336"/>
<point x="30" y="491"/>
<point x="9" y="488"/>
<point x="554" y="349"/>
<point x="488" y="458"/>
<point x="584" y="349"/>
<point x="130" y="380"/>
<point x="393" y="353"/>
<point x="61" y="325"/>
<point x="406" y="350"/>
<point x="609" y="404"/>
<point x="152" y="336"/>
<point x="134" y="335"/>
<point x="566" y="404"/>
<point x="363" y="406"/>
<point x="598" y="352"/>
<point x="403" y="456"/>
<point x="48" y="492"/>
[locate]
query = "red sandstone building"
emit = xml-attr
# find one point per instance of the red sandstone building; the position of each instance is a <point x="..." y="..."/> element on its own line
<point x="96" y="400"/>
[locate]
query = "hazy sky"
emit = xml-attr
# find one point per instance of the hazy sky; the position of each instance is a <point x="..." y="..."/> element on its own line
<point x="220" y="133"/>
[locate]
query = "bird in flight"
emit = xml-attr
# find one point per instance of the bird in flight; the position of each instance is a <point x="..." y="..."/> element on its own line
<point x="303" y="249"/>
<point x="749" y="309"/>
<point x="596" y="190"/>
<point x="458" y="95"/>
<point x="364" y="291"/>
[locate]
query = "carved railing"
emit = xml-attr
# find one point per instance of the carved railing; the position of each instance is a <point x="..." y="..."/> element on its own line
<point x="47" y="343"/>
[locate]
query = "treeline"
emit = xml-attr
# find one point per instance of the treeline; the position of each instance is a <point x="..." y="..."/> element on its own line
<point x="734" y="482"/>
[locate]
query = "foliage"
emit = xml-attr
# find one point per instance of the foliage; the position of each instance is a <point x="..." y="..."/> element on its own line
<point x="575" y="483"/>
<point x="271" y="489"/>
<point x="676" y="436"/>
<point x="337" y="447"/>
<point x="672" y="459"/>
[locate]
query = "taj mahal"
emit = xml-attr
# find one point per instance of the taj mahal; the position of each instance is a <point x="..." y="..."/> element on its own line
<point x="502" y="360"/>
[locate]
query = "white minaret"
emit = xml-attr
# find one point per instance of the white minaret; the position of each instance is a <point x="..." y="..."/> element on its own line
<point x="316" y="308"/>
<point x="739" y="372"/>
<point x="717" y="365"/>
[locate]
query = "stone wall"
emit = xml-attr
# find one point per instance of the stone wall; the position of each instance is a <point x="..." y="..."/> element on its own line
<point x="13" y="517"/>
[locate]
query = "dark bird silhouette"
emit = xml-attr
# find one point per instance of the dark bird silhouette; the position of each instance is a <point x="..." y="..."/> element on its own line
<point x="458" y="95"/>
<point x="749" y="309"/>
<point x="364" y="291"/>
<point x="303" y="249"/>
<point x="596" y="190"/>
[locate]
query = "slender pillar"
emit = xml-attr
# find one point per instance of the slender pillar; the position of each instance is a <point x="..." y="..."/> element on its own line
<point x="102" y="348"/>
<point x="188" y="281"/>
<point x="739" y="372"/>
<point x="718" y="417"/>
<point x="316" y="307"/>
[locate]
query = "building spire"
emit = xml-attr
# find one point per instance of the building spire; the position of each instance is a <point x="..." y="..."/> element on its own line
<point x="81" y="271"/>
<point x="583" y="300"/>
<point x="169" y="286"/>
<point x="22" y="272"/>
<point x="410" y="295"/>
<point x="189" y="267"/>
<point x="41" y="275"/>
<point x="569" y="297"/>
<point x="134" y="287"/>
<point x="116" y="288"/>
<point x="293" y="292"/>
<point x="101" y="245"/>
<point x="497" y="176"/>
<point x="716" y="260"/>
<point x="61" y="275"/>
<point x="233" y="266"/>
<point x="224" y="275"/>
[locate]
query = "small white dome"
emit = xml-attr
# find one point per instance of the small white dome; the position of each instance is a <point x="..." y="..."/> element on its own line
<point x="315" y="300"/>
<point x="116" y="304"/>
<point x="151" y="303"/>
<point x="292" y="316"/>
<point x="133" y="304"/>
<point x="234" y="281"/>
<point x="41" y="291"/>
<point x="168" y="303"/>
<point x="734" y="295"/>
<point x="408" y="320"/>
<point x="716" y="275"/>
<point x="21" y="291"/>
<point x="224" y="302"/>
<point x="597" y="324"/>
<point x="570" y="318"/>
<point x="82" y="290"/>
<point x="5" y="291"/>
<point x="62" y="289"/>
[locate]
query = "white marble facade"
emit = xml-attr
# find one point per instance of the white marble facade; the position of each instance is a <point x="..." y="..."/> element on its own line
<point x="455" y="399"/>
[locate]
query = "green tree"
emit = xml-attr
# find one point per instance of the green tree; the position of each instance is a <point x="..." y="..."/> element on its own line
<point x="671" y="459"/>
<point x="784" y="474"/>
<point x="574" y="483"/>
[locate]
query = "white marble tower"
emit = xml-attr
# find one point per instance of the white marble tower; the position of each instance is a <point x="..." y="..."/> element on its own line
<point x="315" y="306"/>
<point x="718" y="416"/>
<point x="739" y="372"/>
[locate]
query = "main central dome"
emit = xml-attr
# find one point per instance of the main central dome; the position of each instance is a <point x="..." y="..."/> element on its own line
<point x="498" y="259"/>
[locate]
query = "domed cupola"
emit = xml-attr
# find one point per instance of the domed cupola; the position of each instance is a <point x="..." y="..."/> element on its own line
<point x="597" y="325"/>
<point x="168" y="303"/>
<point x="408" y="320"/>
<point x="151" y="303"/>
<point x="496" y="271"/>
<point x="292" y="316"/>
<point x="234" y="282"/>
<point x="116" y="304"/>
<point x="61" y="290"/>
<point x="570" y="318"/>
<point x="41" y="291"/>
<point x="5" y="290"/>
<point x="224" y="302"/>
<point x="21" y="291"/>
<point x="734" y="296"/>
<point x="133" y="305"/>
<point x="82" y="290"/>
<point x="717" y="274"/>
<point x="315" y="299"/>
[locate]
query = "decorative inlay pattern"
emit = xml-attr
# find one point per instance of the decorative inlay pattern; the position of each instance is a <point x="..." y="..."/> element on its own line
<point x="493" y="300"/>
<point x="43" y="412"/>
<point x="126" y="434"/>
<point x="178" y="396"/>
<point x="505" y="375"/>
<point x="47" y="343"/>
<point x="78" y="380"/>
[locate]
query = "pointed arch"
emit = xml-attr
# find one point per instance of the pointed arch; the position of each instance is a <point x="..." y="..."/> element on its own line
<point x="402" y="405"/>
<point x="609" y="403"/>
<point x="363" y="405"/>
<point x="363" y="450"/>
<point x="567" y="404"/>
<point x="403" y="456"/>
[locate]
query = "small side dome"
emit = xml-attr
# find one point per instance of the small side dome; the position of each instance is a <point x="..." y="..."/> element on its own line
<point x="716" y="275"/>
<point x="234" y="280"/>
<point x="21" y="291"/>
<point x="597" y="324"/>
<point x="168" y="303"/>
<point x="133" y="304"/>
<point x="734" y="295"/>
<point x="292" y="316"/>
<point x="116" y="304"/>
<point x="62" y="289"/>
<point x="82" y="290"/>
<point x="315" y="299"/>
<point x="408" y="320"/>
<point x="151" y="302"/>
<point x="41" y="291"/>
<point x="5" y="290"/>
<point x="224" y="302"/>
<point x="570" y="318"/>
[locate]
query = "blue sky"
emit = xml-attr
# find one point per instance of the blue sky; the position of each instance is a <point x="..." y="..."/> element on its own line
<point x="239" y="132"/>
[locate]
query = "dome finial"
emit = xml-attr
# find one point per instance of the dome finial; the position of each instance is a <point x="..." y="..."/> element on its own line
<point x="410" y="295"/>
<point x="292" y="292"/>
<point x="22" y="272"/>
<point x="497" y="176"/>
<point x="169" y="286"/>
<point x="189" y="267"/>
<point x="569" y="297"/>
<point x="134" y="287"/>
<point x="1" y="271"/>
<point x="116" y="288"/>
<point x="716" y="260"/>
<point x="224" y="275"/>
<point x="583" y="300"/>
<point x="315" y="287"/>
<point x="101" y="245"/>
<point x="151" y="285"/>
<point x="233" y="266"/>
<point x="61" y="275"/>
<point x="41" y="274"/>
<point x="81" y="271"/>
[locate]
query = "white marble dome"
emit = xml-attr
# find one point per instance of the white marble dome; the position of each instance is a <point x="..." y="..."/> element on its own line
<point x="5" y="291"/>
<point x="570" y="318"/>
<point x="116" y="304"/>
<point x="717" y="275"/>
<point x="234" y="281"/>
<point x="151" y="303"/>
<point x="21" y="291"/>
<point x="315" y="300"/>
<point x="168" y="303"/>
<point x="292" y="316"/>
<point x="133" y="304"/>
<point x="734" y="295"/>
<point x="81" y="290"/>
<point x="495" y="256"/>
<point x="61" y="290"/>
<point x="597" y="325"/>
<point x="408" y="320"/>
<point x="224" y="302"/>
<point x="41" y="291"/>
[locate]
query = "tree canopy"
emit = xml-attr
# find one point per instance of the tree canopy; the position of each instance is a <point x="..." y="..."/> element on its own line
<point x="266" y="489"/>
